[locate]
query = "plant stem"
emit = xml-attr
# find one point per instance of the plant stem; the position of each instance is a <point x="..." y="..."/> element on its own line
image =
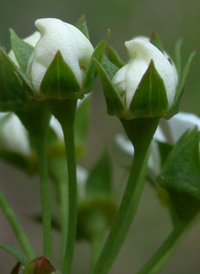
<point x="65" y="111"/>
<point x="162" y="255"/>
<point x="40" y="146"/>
<point x="59" y="176"/>
<point x="16" y="226"/>
<point x="140" y="132"/>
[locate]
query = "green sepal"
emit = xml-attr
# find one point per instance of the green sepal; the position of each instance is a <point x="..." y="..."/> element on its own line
<point x="40" y="265"/>
<point x="15" y="89"/>
<point x="16" y="268"/>
<point x="94" y="214"/>
<point x="59" y="81"/>
<point x="181" y="175"/>
<point x="81" y="126"/>
<point x="114" y="57"/>
<point x="155" y="40"/>
<point x="82" y="26"/>
<point x="164" y="150"/>
<point x="180" y="89"/>
<point x="115" y="106"/>
<point x="150" y="98"/>
<point x="99" y="181"/>
<point x="91" y="72"/>
<point x="177" y="57"/>
<point x="16" y="253"/>
<point x="22" y="50"/>
<point x="109" y="67"/>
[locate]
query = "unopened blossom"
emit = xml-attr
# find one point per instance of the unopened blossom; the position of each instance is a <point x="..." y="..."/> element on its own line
<point x="57" y="35"/>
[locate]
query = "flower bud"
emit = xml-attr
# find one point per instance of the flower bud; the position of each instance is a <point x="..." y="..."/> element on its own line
<point x="57" y="35"/>
<point x="128" y="80"/>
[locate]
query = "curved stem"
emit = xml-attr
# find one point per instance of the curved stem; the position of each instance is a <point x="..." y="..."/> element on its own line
<point x="162" y="255"/>
<point x="58" y="172"/>
<point x="140" y="132"/>
<point x="65" y="112"/>
<point x="16" y="226"/>
<point x="40" y="146"/>
<point x="124" y="216"/>
<point x="72" y="188"/>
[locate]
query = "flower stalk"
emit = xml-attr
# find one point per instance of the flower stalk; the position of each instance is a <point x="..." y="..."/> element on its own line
<point x="65" y="111"/>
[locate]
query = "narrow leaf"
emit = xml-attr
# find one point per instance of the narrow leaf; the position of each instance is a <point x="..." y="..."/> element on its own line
<point x="82" y="26"/>
<point x="180" y="89"/>
<point x="99" y="180"/>
<point x="177" y="56"/>
<point x="81" y="126"/>
<point x="109" y="67"/>
<point x="115" y="105"/>
<point x="16" y="253"/>
<point x="91" y="70"/>
<point x="22" y="50"/>
<point x="114" y="57"/>
<point x="155" y="40"/>
<point x="59" y="80"/>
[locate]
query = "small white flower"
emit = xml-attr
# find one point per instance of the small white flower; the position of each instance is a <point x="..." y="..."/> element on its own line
<point x="57" y="35"/>
<point x="128" y="78"/>
<point x="32" y="40"/>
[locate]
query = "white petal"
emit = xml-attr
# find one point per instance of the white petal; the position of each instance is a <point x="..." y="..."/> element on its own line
<point x="180" y="123"/>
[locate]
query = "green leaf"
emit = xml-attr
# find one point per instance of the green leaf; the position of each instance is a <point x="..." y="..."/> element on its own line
<point x="15" y="90"/>
<point x="180" y="89"/>
<point x="155" y="40"/>
<point x="81" y="126"/>
<point x="109" y="67"/>
<point x="114" y="102"/>
<point x="150" y="99"/>
<point x="16" y="268"/>
<point x="82" y="26"/>
<point x="16" y="253"/>
<point x="99" y="181"/>
<point x="40" y="265"/>
<point x="59" y="81"/>
<point x="91" y="70"/>
<point x="22" y="50"/>
<point x="164" y="150"/>
<point x="114" y="57"/>
<point x="177" y="56"/>
<point x="181" y="175"/>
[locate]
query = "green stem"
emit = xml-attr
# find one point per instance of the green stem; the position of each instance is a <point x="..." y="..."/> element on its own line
<point x="162" y="255"/>
<point x="40" y="146"/>
<point x="59" y="176"/>
<point x="65" y="111"/>
<point x="16" y="226"/>
<point x="140" y="132"/>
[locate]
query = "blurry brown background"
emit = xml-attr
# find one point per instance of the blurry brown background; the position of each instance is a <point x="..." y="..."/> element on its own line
<point x="126" y="19"/>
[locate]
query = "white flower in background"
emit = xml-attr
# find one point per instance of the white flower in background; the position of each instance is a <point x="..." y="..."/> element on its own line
<point x="57" y="35"/>
<point x="14" y="136"/>
<point x="175" y="129"/>
<point x="127" y="79"/>
<point x="32" y="40"/>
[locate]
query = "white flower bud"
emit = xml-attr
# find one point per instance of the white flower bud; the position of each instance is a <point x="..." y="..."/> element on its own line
<point x="32" y="40"/>
<point x="57" y="35"/>
<point x="128" y="78"/>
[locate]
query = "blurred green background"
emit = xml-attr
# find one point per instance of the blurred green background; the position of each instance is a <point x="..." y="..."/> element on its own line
<point x="126" y="19"/>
